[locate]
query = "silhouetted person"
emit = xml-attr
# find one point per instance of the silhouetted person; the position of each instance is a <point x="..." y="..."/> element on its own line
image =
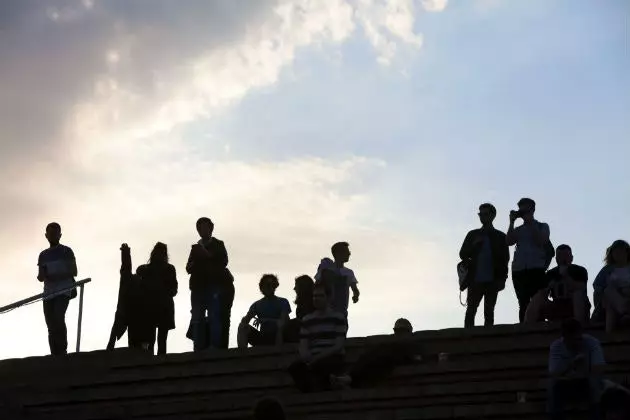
<point x="211" y="288"/>
<point x="270" y="314"/>
<point x="321" y="348"/>
<point x="135" y="310"/>
<point x="532" y="256"/>
<point x="303" y="306"/>
<point x="57" y="269"/>
<point x="612" y="287"/>
<point x="269" y="409"/>
<point x="576" y="363"/>
<point x="338" y="278"/>
<point x="161" y="280"/>
<point x="378" y="362"/>
<point x="486" y="255"/>
<point x="567" y="289"/>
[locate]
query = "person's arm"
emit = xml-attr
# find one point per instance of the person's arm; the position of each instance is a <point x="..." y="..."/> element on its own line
<point x="510" y="235"/>
<point x="172" y="281"/>
<point x="41" y="269"/>
<point x="190" y="262"/>
<point x="72" y="264"/>
<point x="222" y="255"/>
<point x="334" y="349"/>
<point x="504" y="258"/>
<point x="249" y="315"/>
<point x="303" y="350"/>
<point x="557" y="366"/>
<point x="125" y="260"/>
<point x="465" y="252"/>
<point x="355" y="292"/>
<point x="282" y="322"/>
<point x="596" y="356"/>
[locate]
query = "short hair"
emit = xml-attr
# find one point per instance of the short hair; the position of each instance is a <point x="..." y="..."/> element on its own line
<point x="403" y="323"/>
<point x="564" y="247"/>
<point x="525" y="201"/>
<point x="619" y="243"/>
<point x="53" y="226"/>
<point x="336" y="248"/>
<point x="272" y="279"/>
<point x="493" y="210"/>
<point x="571" y="326"/>
<point x="269" y="409"/>
<point x="205" y="220"/>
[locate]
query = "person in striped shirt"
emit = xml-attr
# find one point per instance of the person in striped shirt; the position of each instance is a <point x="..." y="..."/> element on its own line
<point x="321" y="349"/>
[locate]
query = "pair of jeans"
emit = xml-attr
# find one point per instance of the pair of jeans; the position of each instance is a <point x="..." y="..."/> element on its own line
<point x="206" y="302"/>
<point x="561" y="392"/>
<point x="55" y="316"/>
<point x="316" y="376"/>
<point x="526" y="284"/>
<point x="477" y="291"/>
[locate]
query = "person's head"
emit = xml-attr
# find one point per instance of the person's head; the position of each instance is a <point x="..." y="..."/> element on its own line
<point x="615" y="404"/>
<point x="564" y="255"/>
<point x="205" y="227"/>
<point x="321" y="296"/>
<point x="618" y="253"/>
<point x="341" y="252"/>
<point x="159" y="254"/>
<point x="303" y="288"/>
<point x="487" y="213"/>
<point x="269" y="409"/>
<point x="53" y="233"/>
<point x="572" y="333"/>
<point x="268" y="284"/>
<point x="527" y="207"/>
<point x="402" y="326"/>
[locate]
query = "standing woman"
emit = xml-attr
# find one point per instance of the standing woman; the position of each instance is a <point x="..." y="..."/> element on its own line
<point x="161" y="280"/>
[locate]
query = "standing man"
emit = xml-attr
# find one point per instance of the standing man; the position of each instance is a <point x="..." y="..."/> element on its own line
<point x="486" y="255"/>
<point x="57" y="270"/>
<point x="338" y="278"/>
<point x="211" y="289"/>
<point x="532" y="255"/>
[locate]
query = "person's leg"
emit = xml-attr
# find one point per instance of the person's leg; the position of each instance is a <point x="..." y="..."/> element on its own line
<point x="162" y="338"/>
<point x="323" y="369"/>
<point x="55" y="314"/>
<point x="242" y="337"/>
<point x="519" y="279"/>
<point x="227" y="299"/>
<point x="475" y="293"/>
<point x="489" y="302"/>
<point x="215" y="312"/>
<point x="613" y="300"/>
<point x="555" y="400"/>
<point x="152" y="338"/>
<point x="301" y="375"/>
<point x="198" y="314"/>
<point x="536" y="307"/>
<point x="596" y="389"/>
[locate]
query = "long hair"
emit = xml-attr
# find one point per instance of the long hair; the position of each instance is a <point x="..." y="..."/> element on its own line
<point x="304" y="289"/>
<point x="159" y="254"/>
<point x="616" y="245"/>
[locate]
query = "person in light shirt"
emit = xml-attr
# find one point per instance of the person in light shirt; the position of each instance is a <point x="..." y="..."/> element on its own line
<point x="612" y="285"/>
<point x="338" y="278"/>
<point x="57" y="269"/>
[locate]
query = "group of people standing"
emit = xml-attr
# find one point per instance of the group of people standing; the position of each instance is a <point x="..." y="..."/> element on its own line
<point x="146" y="311"/>
<point x="542" y="294"/>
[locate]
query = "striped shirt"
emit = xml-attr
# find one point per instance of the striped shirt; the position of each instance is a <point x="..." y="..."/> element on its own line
<point x="322" y="329"/>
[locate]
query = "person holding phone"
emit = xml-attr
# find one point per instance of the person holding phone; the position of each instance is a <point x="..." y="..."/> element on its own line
<point x="211" y="289"/>
<point x="567" y="289"/>
<point x="531" y="259"/>
<point x="57" y="269"/>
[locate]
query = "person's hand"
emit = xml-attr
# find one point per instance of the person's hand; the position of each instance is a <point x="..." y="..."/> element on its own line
<point x="124" y="247"/>
<point x="256" y="322"/>
<point x="513" y="216"/>
<point x="355" y="298"/>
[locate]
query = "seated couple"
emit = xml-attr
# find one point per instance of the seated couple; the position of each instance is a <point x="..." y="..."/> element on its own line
<point x="321" y="363"/>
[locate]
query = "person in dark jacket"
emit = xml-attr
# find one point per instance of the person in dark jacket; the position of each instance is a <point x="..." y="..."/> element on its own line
<point x="161" y="279"/>
<point x="486" y="255"/>
<point x="211" y="289"/>
<point x="134" y="312"/>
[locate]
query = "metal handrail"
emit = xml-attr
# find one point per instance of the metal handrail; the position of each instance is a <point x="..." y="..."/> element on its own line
<point x="80" y="284"/>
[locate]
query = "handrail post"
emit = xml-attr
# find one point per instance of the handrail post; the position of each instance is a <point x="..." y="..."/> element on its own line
<point x="80" y="318"/>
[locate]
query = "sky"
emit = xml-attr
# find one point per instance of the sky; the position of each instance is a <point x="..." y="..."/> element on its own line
<point x="294" y="124"/>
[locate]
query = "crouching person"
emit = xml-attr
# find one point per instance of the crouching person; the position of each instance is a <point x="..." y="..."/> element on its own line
<point x="321" y="349"/>
<point x="576" y="363"/>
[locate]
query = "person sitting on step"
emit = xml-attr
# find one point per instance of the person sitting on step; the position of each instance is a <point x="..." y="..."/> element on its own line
<point x="612" y="286"/>
<point x="269" y="313"/>
<point x="322" y="341"/>
<point x="567" y="287"/>
<point x="576" y="364"/>
<point x="378" y="362"/>
<point x="303" y="306"/>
